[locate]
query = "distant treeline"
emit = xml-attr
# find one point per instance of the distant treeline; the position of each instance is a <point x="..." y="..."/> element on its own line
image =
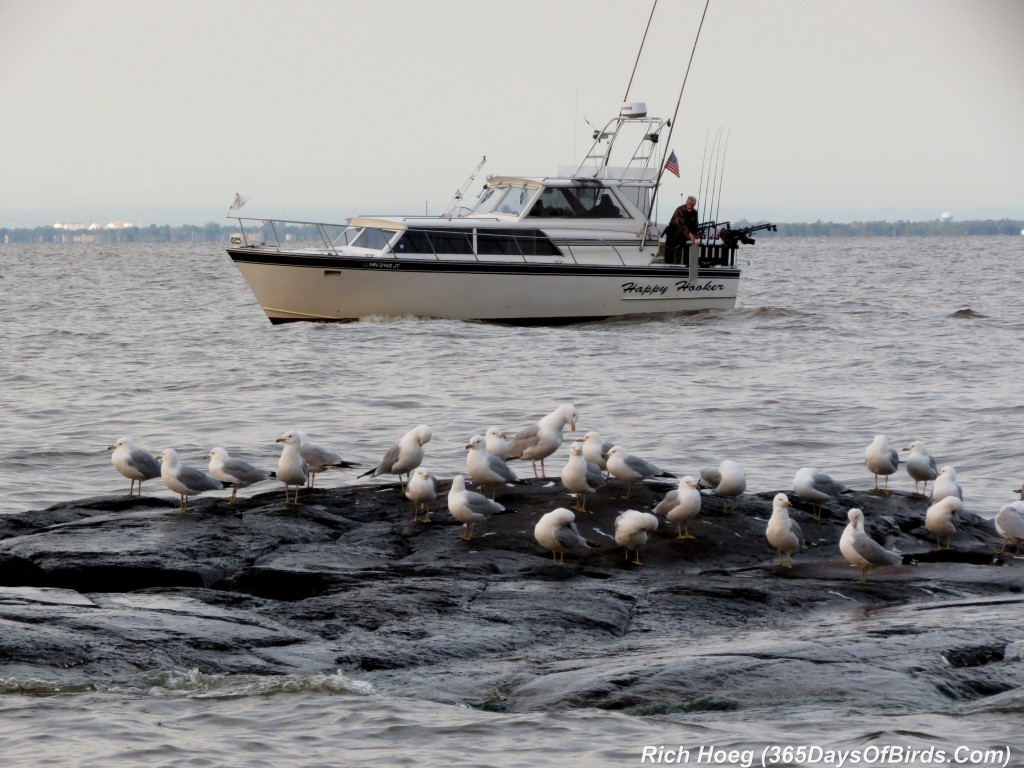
<point x="211" y="232"/>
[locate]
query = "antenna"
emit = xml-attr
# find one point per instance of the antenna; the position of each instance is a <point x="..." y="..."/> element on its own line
<point x="637" y="62"/>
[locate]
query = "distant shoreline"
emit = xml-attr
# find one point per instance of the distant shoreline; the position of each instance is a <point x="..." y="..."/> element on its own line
<point x="211" y="232"/>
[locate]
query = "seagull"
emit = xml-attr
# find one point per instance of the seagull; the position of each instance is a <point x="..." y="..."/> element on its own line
<point x="469" y="507"/>
<point x="920" y="465"/>
<point x="184" y="480"/>
<point x="629" y="468"/>
<point x="422" y="490"/>
<point x="782" y="533"/>
<point x="728" y="481"/>
<point x="815" y="486"/>
<point x="631" y="528"/>
<point x="557" y="531"/>
<point x="404" y="456"/>
<point x="861" y="550"/>
<point x="291" y="467"/>
<point x="945" y="485"/>
<point x="234" y="472"/>
<point x="134" y="463"/>
<point x="681" y="506"/>
<point x="497" y="443"/>
<point x="939" y="520"/>
<point x="318" y="458"/>
<point x="485" y="469"/>
<point x="1009" y="522"/>
<point x="580" y="476"/>
<point x="543" y="438"/>
<point x="594" y="449"/>
<point x="881" y="460"/>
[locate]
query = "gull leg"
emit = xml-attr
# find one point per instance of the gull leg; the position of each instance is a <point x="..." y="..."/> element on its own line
<point x="684" y="532"/>
<point x="637" y="560"/>
<point x="864" y="574"/>
<point x="629" y="488"/>
<point x="1003" y="548"/>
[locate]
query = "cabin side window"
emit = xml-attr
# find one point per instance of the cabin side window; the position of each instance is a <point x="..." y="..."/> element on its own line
<point x="373" y="238"/>
<point x="488" y="199"/>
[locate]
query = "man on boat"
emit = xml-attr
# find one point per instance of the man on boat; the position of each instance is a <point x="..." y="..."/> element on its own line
<point x="682" y="231"/>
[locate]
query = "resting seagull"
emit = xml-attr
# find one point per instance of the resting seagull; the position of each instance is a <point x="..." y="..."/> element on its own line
<point x="539" y="441"/>
<point x="234" y="472"/>
<point x="880" y="459"/>
<point x="624" y="466"/>
<point x="1009" y="522"/>
<point x="945" y="485"/>
<point x="485" y="469"/>
<point x="681" y="506"/>
<point x="469" y="507"/>
<point x="497" y="443"/>
<point x="580" y="477"/>
<point x="920" y="465"/>
<point x="184" y="480"/>
<point x="939" y="520"/>
<point x="594" y="449"/>
<point x="404" y="456"/>
<point x="422" y="490"/>
<point x="319" y="459"/>
<point x="556" y="531"/>
<point x="291" y="467"/>
<point x="783" y="533"/>
<point x="631" y="529"/>
<point x="815" y="486"/>
<point x="134" y="463"/>
<point x="861" y="550"/>
<point x="729" y="481"/>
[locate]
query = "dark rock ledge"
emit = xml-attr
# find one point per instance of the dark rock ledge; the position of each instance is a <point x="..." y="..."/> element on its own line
<point x="112" y="588"/>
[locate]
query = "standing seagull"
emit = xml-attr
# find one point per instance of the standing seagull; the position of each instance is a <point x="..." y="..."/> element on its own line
<point x="134" y="463"/>
<point x="291" y="467"/>
<point x="543" y="438"/>
<point x="557" y="532"/>
<point x="184" y="480"/>
<point x="814" y="486"/>
<point x="485" y="469"/>
<point x="880" y="459"/>
<point x="1009" y="522"/>
<point x="469" y="507"/>
<point x="939" y="520"/>
<point x="624" y="466"/>
<point x="497" y="443"/>
<point x="404" y="456"/>
<point x="728" y="481"/>
<point x="861" y="550"/>
<point x="421" y="491"/>
<point x="318" y="458"/>
<point x="783" y="533"/>
<point x="631" y="529"/>
<point x="234" y="472"/>
<point x="594" y="449"/>
<point x="945" y="485"/>
<point x="681" y="506"/>
<point x="580" y="476"/>
<point x="920" y="465"/>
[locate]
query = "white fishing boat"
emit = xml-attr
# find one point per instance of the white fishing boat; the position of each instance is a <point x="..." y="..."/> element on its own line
<point x="579" y="245"/>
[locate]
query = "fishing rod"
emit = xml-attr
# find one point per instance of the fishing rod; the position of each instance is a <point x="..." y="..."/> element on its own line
<point x="714" y="180"/>
<point x="705" y="185"/>
<point x="703" y="160"/>
<point x="721" y="181"/>
<point x="672" y="122"/>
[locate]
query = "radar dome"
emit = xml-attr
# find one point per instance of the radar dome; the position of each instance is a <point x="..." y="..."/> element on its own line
<point x="946" y="216"/>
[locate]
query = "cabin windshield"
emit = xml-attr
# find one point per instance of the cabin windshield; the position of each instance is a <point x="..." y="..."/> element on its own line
<point x="370" y="238"/>
<point x="505" y="199"/>
<point x="590" y="202"/>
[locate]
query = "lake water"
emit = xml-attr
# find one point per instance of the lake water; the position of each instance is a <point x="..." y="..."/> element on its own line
<point x="832" y="342"/>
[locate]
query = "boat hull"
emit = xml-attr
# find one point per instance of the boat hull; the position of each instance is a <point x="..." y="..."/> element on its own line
<point x="294" y="287"/>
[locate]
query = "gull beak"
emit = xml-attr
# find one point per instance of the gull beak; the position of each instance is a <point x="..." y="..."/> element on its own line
<point x="114" y="448"/>
<point x="572" y="425"/>
<point x="279" y="440"/>
<point x="207" y="456"/>
<point x="468" y="446"/>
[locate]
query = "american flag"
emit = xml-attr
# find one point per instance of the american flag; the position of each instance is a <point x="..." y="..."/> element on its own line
<point x="672" y="164"/>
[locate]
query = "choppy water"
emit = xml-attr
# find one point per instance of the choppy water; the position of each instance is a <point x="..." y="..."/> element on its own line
<point x="832" y="342"/>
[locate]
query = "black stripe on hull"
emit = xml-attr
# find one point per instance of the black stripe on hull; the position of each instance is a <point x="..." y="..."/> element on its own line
<point x="272" y="258"/>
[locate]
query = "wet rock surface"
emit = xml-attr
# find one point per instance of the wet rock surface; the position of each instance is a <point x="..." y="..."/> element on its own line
<point x="108" y="588"/>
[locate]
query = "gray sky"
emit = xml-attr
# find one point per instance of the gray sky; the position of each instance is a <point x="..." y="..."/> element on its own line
<point x="160" y="111"/>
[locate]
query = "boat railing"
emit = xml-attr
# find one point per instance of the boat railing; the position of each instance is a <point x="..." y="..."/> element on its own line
<point x="477" y="243"/>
